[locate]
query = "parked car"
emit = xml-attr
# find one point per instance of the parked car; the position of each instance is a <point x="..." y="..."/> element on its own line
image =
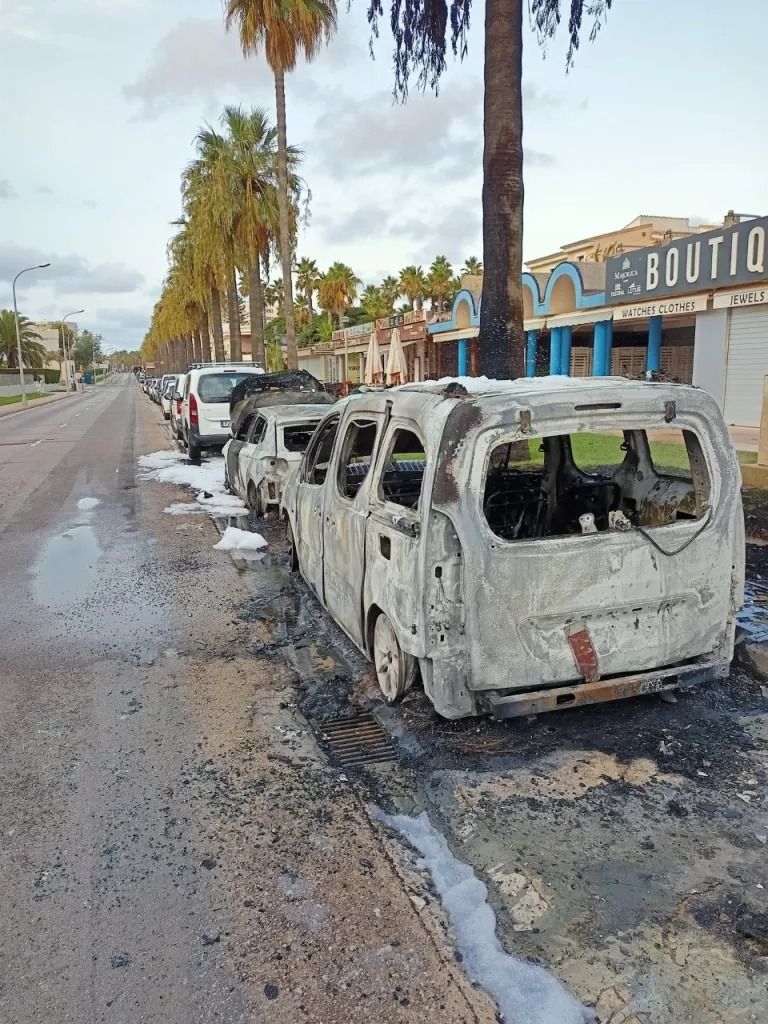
<point x="205" y="406"/>
<point x="270" y="441"/>
<point x="176" y="402"/>
<point x="530" y="545"/>
<point x="168" y="385"/>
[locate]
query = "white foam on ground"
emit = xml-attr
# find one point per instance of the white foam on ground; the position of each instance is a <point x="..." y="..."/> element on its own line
<point x="524" y="992"/>
<point x="168" y="467"/>
<point x="234" y="539"/>
<point x="86" y="504"/>
<point x="184" y="508"/>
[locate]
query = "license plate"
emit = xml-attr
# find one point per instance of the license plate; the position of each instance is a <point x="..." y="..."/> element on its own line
<point x="225" y="423"/>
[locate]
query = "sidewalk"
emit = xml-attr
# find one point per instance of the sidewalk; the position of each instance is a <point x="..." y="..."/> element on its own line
<point x="36" y="403"/>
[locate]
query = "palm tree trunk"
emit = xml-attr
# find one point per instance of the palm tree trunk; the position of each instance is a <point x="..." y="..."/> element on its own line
<point x="502" y="344"/>
<point x="256" y="311"/>
<point x="189" y="351"/>
<point x="206" y="338"/>
<point x="197" y="346"/>
<point x="310" y="305"/>
<point x="233" y="313"/>
<point x="218" y="330"/>
<point x="286" y="254"/>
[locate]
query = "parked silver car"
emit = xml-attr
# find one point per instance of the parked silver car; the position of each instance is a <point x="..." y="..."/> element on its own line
<point x="528" y="545"/>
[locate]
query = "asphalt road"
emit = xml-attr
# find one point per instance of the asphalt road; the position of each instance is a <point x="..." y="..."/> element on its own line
<point x="174" y="847"/>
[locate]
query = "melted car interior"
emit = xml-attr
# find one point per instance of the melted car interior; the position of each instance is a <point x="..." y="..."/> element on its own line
<point x="592" y="482"/>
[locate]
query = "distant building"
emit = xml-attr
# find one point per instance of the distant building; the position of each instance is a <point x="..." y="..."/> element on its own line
<point x="50" y="337"/>
<point x="641" y="232"/>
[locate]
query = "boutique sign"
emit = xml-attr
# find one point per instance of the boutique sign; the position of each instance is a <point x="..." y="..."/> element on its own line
<point x="697" y="263"/>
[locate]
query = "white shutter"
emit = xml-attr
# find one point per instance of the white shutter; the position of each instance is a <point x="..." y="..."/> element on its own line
<point x="747" y="365"/>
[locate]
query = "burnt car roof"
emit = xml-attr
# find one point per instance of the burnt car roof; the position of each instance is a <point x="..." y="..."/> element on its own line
<point x="283" y="380"/>
<point x="276" y="396"/>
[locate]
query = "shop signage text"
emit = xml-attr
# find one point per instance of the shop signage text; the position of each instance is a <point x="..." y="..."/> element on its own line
<point x="716" y="259"/>
<point x="667" y="307"/>
<point x="741" y="297"/>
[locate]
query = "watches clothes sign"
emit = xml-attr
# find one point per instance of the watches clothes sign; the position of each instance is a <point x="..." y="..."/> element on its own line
<point x="715" y="259"/>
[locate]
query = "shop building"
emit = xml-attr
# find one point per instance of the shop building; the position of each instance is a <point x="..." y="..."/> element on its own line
<point x="694" y="308"/>
<point x="344" y="358"/>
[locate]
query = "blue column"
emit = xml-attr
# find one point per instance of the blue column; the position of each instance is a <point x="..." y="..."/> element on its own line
<point x="463" y="358"/>
<point x="653" y="361"/>
<point x="530" y="353"/>
<point x="608" y="347"/>
<point x="555" y="348"/>
<point x="565" y="351"/>
<point x="598" y="353"/>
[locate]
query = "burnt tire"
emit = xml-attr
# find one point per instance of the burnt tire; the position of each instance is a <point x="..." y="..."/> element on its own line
<point x="255" y="502"/>
<point x="293" y="555"/>
<point x="395" y="670"/>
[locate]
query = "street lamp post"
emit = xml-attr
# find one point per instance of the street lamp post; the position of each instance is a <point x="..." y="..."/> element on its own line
<point x="64" y="340"/>
<point x="40" y="266"/>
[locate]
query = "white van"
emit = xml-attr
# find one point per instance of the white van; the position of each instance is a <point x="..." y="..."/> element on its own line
<point x="205" y="405"/>
<point x="528" y="545"/>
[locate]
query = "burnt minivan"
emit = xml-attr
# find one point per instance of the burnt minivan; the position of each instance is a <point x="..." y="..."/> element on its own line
<point x="525" y="545"/>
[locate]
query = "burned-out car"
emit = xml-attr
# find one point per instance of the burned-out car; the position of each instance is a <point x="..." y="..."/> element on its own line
<point x="527" y="545"/>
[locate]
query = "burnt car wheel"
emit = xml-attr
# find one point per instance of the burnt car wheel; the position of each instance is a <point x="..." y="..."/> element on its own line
<point x="395" y="670"/>
<point x="293" y="555"/>
<point x="255" y="503"/>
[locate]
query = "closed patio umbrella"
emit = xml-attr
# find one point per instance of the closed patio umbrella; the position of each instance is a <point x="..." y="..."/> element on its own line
<point x="397" y="368"/>
<point x="372" y="360"/>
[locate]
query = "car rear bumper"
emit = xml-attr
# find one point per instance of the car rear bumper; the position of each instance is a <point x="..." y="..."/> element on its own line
<point x="535" y="702"/>
<point x="206" y="441"/>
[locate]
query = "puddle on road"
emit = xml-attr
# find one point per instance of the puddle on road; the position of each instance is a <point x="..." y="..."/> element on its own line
<point x="67" y="567"/>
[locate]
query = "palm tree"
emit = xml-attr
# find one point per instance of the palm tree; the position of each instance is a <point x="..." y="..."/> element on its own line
<point x="32" y="350"/>
<point x="472" y="265"/>
<point x="286" y="31"/>
<point x="301" y="312"/>
<point x="338" y="289"/>
<point x="307" y="280"/>
<point x="390" y="291"/>
<point x="413" y="284"/>
<point x="421" y="30"/>
<point x="274" y="295"/>
<point x="440" y="282"/>
<point x="374" y="302"/>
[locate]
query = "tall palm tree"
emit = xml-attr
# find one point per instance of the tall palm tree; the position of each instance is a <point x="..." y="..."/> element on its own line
<point x="32" y="350"/>
<point x="421" y="29"/>
<point x="338" y="289"/>
<point x="472" y="265"/>
<point x="307" y="280"/>
<point x="285" y="31"/>
<point x="274" y="294"/>
<point x="440" y="282"/>
<point x="413" y="285"/>
<point x="215" y="167"/>
<point x="390" y="291"/>
<point x="374" y="302"/>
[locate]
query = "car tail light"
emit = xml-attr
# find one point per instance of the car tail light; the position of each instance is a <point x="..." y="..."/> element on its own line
<point x="193" y="417"/>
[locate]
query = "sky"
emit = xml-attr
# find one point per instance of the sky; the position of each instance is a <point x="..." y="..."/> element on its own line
<point x="101" y="99"/>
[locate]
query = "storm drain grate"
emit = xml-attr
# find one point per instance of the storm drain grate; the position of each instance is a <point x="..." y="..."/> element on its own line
<point x="355" y="741"/>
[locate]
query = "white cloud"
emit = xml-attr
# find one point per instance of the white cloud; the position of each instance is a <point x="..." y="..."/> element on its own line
<point x="197" y="58"/>
<point x="7" y="191"/>
<point x="69" y="273"/>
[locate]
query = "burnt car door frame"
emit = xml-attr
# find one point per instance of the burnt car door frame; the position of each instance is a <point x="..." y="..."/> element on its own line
<point x="345" y="525"/>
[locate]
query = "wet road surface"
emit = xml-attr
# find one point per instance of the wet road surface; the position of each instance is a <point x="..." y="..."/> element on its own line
<point x="174" y="848"/>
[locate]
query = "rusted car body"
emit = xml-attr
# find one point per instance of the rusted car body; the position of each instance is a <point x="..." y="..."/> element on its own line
<point x="529" y="545"/>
